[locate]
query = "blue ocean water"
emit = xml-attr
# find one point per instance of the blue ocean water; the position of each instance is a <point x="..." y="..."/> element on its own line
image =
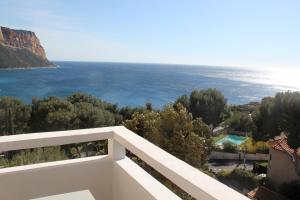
<point x="134" y="84"/>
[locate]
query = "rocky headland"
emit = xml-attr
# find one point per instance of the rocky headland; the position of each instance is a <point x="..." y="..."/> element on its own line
<point x="21" y="49"/>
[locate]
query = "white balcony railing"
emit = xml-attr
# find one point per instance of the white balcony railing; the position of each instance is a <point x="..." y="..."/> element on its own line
<point x="112" y="176"/>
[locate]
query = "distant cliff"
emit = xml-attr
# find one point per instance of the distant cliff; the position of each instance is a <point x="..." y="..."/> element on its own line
<point x="20" y="48"/>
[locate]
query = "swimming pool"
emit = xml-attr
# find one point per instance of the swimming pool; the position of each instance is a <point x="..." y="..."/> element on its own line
<point x="235" y="139"/>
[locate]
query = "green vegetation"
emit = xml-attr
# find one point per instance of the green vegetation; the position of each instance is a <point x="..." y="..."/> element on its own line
<point x="263" y="164"/>
<point x="207" y="104"/>
<point x="176" y="124"/>
<point x="180" y="128"/>
<point x="75" y="112"/>
<point x="39" y="155"/>
<point x="279" y="114"/>
<point x="55" y="114"/>
<point x="229" y="147"/>
<point x="218" y="137"/>
<point x="174" y="130"/>
<point x="241" y="121"/>
<point x="246" y="108"/>
<point x="253" y="146"/>
<point x="14" y="116"/>
<point x="239" y="178"/>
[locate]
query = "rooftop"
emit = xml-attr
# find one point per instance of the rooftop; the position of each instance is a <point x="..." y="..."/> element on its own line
<point x="263" y="193"/>
<point x="112" y="176"/>
<point x="280" y="144"/>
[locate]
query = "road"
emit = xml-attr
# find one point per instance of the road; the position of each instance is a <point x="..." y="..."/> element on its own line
<point x="228" y="165"/>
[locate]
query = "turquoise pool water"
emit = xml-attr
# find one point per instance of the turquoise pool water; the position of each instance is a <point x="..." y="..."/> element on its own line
<point x="235" y="139"/>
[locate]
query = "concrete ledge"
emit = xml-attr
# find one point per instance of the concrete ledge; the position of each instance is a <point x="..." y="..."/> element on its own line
<point x="80" y="175"/>
<point x="139" y="184"/>
<point x="190" y="179"/>
<point x="45" y="139"/>
<point x="45" y="179"/>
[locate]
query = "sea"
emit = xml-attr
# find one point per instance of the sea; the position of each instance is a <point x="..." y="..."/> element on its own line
<point x="134" y="84"/>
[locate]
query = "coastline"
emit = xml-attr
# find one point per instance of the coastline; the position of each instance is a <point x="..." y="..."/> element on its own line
<point x="25" y="68"/>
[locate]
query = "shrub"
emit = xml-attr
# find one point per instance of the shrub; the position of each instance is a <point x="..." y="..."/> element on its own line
<point x="245" y="177"/>
<point x="222" y="174"/>
<point x="229" y="147"/>
<point x="255" y="147"/>
<point x="238" y="178"/>
<point x="262" y="149"/>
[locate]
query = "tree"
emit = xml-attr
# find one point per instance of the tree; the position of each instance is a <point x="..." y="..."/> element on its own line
<point x="207" y="104"/>
<point x="287" y="106"/>
<point x="11" y="123"/>
<point x="229" y="147"/>
<point x="89" y="116"/>
<point x="241" y="121"/>
<point x="52" y="114"/>
<point x="127" y="112"/>
<point x="146" y="124"/>
<point x="183" y="100"/>
<point x="14" y="116"/>
<point x="282" y="114"/>
<point x="108" y="114"/>
<point x="39" y="155"/>
<point x="290" y="105"/>
<point x="174" y="130"/>
<point x="149" y="106"/>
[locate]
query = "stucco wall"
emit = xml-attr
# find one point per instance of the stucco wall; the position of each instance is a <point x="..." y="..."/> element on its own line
<point x="33" y="181"/>
<point x="281" y="168"/>
<point x="104" y="178"/>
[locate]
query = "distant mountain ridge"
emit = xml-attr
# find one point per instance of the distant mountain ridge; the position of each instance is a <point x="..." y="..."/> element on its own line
<point x="21" y="49"/>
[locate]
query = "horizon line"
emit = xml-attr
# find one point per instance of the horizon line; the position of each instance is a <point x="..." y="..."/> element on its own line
<point x="252" y="67"/>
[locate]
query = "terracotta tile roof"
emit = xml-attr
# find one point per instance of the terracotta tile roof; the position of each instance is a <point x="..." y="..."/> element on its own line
<point x="280" y="144"/>
<point x="263" y="193"/>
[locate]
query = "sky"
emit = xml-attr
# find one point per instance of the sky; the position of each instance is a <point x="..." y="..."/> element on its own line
<point x="249" y="33"/>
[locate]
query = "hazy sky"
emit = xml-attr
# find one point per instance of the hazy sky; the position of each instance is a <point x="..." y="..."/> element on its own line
<point x="255" y="33"/>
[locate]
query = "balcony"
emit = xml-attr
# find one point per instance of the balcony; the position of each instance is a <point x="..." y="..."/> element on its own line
<point x="112" y="176"/>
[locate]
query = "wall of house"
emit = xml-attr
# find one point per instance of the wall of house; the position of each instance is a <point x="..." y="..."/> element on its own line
<point x="281" y="168"/>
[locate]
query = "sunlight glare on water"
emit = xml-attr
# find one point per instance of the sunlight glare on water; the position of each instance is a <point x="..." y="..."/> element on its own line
<point x="282" y="79"/>
<point x="287" y="78"/>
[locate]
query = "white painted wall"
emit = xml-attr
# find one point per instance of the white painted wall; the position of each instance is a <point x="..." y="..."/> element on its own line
<point x="132" y="182"/>
<point x="104" y="178"/>
<point x="108" y="177"/>
<point x="33" y="181"/>
<point x="235" y="156"/>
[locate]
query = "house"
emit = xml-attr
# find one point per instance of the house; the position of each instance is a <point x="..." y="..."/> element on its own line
<point x="284" y="163"/>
